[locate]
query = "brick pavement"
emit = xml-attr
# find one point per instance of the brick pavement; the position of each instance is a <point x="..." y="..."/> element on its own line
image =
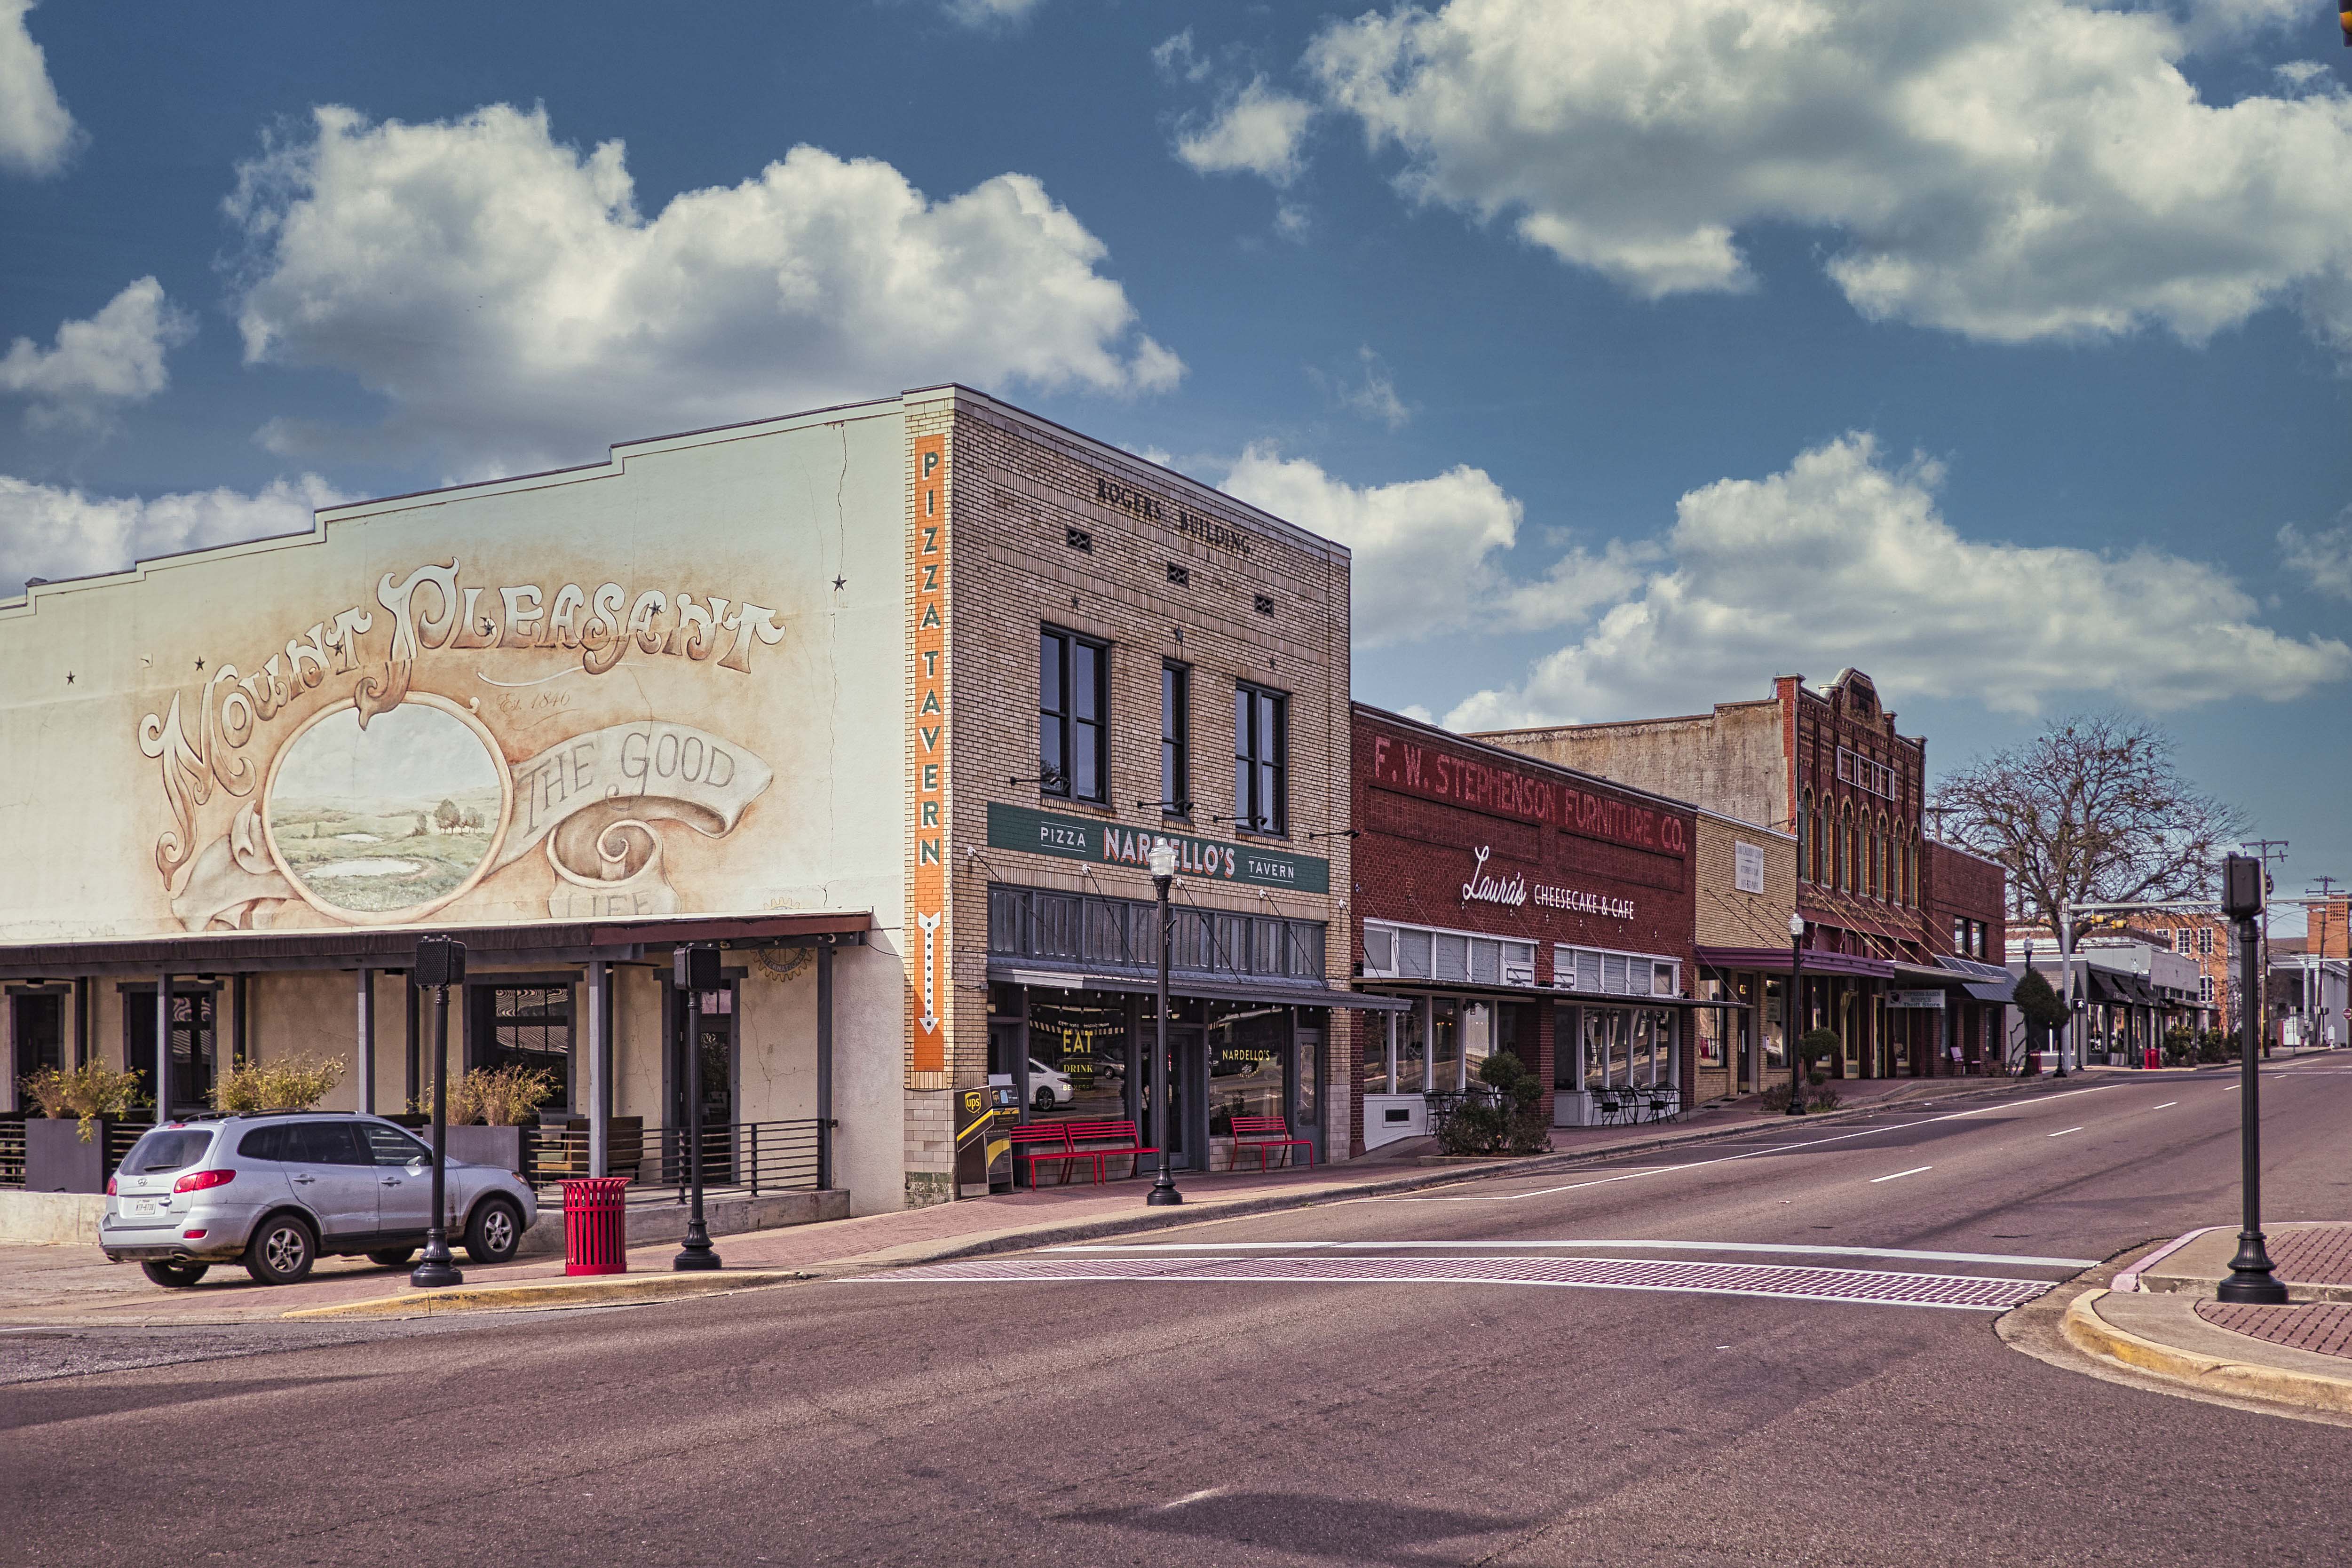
<point x="2325" y="1327"/>
<point x="2313" y="1255"/>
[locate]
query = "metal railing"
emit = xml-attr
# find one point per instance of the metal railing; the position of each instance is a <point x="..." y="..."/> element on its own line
<point x="756" y="1156"/>
<point x="12" y="1152"/>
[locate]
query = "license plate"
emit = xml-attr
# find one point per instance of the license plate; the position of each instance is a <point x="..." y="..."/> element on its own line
<point x="141" y="1208"/>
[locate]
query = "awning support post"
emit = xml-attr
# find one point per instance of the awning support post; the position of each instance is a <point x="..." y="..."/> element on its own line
<point x="164" y="1049"/>
<point x="600" y="1071"/>
<point x="824" y="1063"/>
<point x="367" y="1042"/>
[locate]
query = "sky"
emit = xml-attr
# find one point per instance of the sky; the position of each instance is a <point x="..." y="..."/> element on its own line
<point x="1999" y="348"/>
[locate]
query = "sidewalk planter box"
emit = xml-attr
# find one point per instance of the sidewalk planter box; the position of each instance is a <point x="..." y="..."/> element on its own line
<point x="500" y="1146"/>
<point x="58" y="1161"/>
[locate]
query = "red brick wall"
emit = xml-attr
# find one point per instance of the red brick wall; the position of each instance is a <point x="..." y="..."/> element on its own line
<point x="1415" y="852"/>
<point x="1953" y="885"/>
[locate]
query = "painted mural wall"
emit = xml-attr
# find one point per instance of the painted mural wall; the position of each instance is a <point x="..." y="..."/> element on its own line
<point x="656" y="687"/>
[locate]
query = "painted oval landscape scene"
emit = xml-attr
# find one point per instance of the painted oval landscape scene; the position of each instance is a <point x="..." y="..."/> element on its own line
<point x="388" y="818"/>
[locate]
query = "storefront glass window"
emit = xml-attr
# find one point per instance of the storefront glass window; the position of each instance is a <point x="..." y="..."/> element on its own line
<point x="1412" y="1051"/>
<point x="1444" y="1043"/>
<point x="1606" y="1046"/>
<point x="1477" y="1038"/>
<point x="1776" y="1023"/>
<point x="1249" y="1061"/>
<point x="1380" y="1033"/>
<point x="1514" y="1031"/>
<point x="1645" y="1049"/>
<point x="1077" y="1053"/>
<point x="1710" y="1024"/>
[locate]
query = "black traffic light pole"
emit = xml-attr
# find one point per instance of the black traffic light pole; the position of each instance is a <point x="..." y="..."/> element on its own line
<point x="440" y="964"/>
<point x="2251" y="1280"/>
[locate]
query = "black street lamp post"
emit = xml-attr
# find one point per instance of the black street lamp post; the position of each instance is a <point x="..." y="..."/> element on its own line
<point x="1794" y="1011"/>
<point x="2251" y="1280"/>
<point x="1163" y="1186"/>
<point x="695" y="970"/>
<point x="440" y="964"/>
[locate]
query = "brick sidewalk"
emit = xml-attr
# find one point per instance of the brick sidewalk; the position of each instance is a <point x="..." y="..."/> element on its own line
<point x="2313" y="1255"/>
<point x="2323" y="1326"/>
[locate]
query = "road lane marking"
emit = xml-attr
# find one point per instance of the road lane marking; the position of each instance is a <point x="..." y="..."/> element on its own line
<point x="2165" y="1106"/>
<point x="1134" y="1247"/>
<point x="2062" y="1132"/>
<point x="1727" y="1159"/>
<point x="1912" y="1171"/>
<point x="1791" y="1282"/>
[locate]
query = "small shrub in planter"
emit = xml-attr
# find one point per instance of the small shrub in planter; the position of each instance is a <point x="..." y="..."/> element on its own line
<point x="500" y="1097"/>
<point x="1506" y="1120"/>
<point x="1816" y="1099"/>
<point x="90" y="1092"/>
<point x="293" y="1083"/>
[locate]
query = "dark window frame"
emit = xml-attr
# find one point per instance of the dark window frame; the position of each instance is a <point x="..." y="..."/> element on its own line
<point x="1175" y="738"/>
<point x="1251" y="770"/>
<point x="1060" y="722"/>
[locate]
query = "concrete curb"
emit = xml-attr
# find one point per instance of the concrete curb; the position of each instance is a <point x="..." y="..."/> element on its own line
<point x="2129" y="1281"/>
<point x="543" y="1294"/>
<point x="2094" y="1336"/>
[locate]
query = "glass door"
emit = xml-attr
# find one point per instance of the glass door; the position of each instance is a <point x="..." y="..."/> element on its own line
<point x="192" y="1046"/>
<point x="1187" y="1091"/>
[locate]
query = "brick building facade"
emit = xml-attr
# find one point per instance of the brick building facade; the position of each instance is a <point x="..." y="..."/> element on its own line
<point x="1128" y="654"/>
<point x="1514" y="906"/>
<point x="1828" y="766"/>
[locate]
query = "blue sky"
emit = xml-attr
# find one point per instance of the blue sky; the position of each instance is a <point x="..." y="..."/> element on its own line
<point x="1998" y="348"/>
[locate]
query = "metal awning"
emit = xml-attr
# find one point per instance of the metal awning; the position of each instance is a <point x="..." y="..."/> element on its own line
<point x="1212" y="988"/>
<point x="1984" y="982"/>
<point x="2125" y="990"/>
<point x="1548" y="994"/>
<point x="1775" y="961"/>
<point x="539" y="941"/>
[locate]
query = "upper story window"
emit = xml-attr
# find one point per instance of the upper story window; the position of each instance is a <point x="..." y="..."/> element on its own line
<point x="2205" y="943"/>
<point x="1175" y="738"/>
<point x="1072" y="716"/>
<point x="1261" y="759"/>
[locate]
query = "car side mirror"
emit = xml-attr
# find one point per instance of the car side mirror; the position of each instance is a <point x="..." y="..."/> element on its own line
<point x="417" y="1165"/>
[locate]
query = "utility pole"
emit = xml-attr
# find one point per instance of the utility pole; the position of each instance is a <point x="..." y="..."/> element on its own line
<point x="2317" y="1008"/>
<point x="2265" y="850"/>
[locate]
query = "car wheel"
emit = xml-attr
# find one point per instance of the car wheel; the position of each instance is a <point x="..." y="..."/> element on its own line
<point x="1043" y="1099"/>
<point x="282" y="1251"/>
<point x="391" y="1257"/>
<point x="494" y="1232"/>
<point x="174" y="1275"/>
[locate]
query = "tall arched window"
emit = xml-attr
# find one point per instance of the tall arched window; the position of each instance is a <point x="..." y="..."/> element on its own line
<point x="1845" y="848"/>
<point x="1911" y="873"/>
<point x="1820" y="850"/>
<point x="1870" y="884"/>
<point x="1807" y="832"/>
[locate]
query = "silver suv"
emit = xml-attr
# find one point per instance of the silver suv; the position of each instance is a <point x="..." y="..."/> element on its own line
<point x="275" y="1191"/>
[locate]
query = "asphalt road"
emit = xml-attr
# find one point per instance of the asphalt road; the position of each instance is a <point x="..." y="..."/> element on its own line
<point x="1331" y="1409"/>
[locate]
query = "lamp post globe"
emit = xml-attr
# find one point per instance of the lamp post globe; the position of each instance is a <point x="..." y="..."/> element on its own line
<point x="1792" y="1011"/>
<point x="1163" y="861"/>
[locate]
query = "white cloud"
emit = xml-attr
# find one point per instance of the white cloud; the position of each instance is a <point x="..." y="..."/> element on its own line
<point x="1255" y="130"/>
<point x="1174" y="58"/>
<point x="36" y="133"/>
<point x="506" y="297"/>
<point x="989" y="13"/>
<point x="1842" y="560"/>
<point x="116" y="357"/>
<point x="2324" y="558"/>
<point x="1370" y="392"/>
<point x="2010" y="170"/>
<point x="54" y="533"/>
<point x="1424" y="549"/>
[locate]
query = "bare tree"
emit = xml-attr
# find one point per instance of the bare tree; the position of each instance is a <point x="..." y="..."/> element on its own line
<point x="2090" y="811"/>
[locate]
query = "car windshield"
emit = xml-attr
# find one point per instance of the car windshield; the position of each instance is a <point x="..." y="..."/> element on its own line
<point x="168" y="1149"/>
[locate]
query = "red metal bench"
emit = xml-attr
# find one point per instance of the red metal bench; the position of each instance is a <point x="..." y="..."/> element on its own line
<point x="1052" y="1141"/>
<point x="1265" y="1133"/>
<point x="1124" y="1139"/>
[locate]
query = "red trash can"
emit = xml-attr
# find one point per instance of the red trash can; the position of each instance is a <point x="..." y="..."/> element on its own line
<point x="596" y="1226"/>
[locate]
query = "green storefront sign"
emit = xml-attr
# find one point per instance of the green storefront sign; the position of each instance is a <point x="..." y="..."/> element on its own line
<point x="1107" y="844"/>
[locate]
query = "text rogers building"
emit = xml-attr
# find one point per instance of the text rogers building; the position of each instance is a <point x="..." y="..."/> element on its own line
<point x="1513" y="905"/>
